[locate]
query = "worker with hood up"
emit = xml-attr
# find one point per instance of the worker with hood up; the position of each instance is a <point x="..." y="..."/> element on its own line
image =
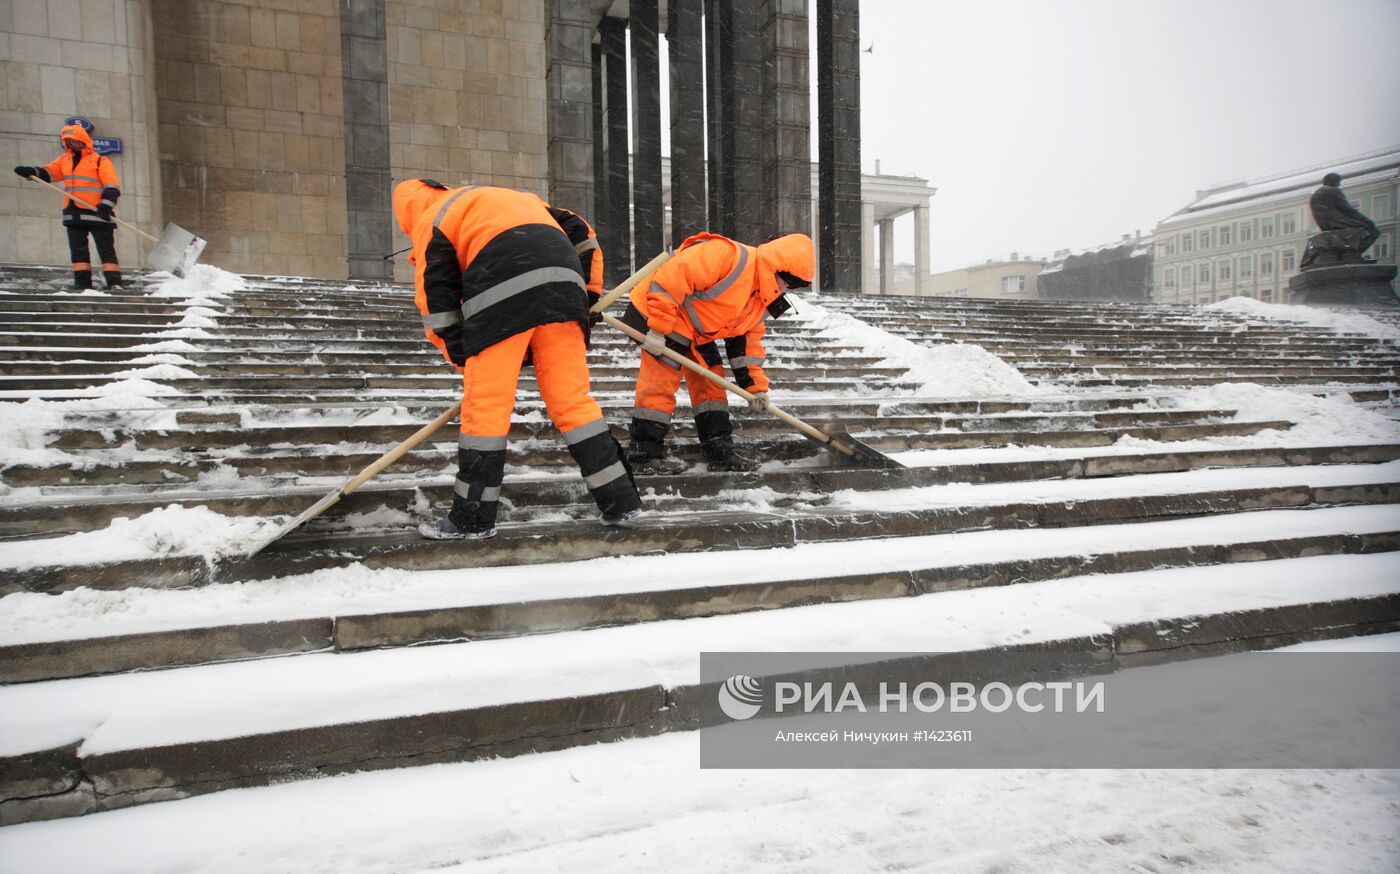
<point x="498" y="277"/>
<point x="713" y="289"/>
<point x="93" y="188"/>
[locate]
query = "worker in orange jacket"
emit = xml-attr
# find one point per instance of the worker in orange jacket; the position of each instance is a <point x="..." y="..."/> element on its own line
<point x="501" y="275"/>
<point x="712" y="289"/>
<point x="93" y="188"/>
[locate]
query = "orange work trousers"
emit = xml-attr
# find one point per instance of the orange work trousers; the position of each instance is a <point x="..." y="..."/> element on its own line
<point x="658" y="380"/>
<point x="491" y="377"/>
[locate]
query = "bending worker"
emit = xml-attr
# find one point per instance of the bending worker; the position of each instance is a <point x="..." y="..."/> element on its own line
<point x="498" y="279"/>
<point x="712" y="289"/>
<point x="93" y="188"/>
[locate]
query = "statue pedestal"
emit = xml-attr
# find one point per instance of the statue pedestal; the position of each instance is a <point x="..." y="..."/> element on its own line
<point x="1358" y="285"/>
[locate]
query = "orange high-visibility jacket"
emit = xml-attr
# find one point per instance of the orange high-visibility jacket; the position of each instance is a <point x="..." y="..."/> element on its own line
<point x="491" y="262"/>
<point x="714" y="287"/>
<point x="90" y="179"/>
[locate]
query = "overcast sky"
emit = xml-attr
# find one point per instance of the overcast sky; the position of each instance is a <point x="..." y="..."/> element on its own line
<point x="1052" y="125"/>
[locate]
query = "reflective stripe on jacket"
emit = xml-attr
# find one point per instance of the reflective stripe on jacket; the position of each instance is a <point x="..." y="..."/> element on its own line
<point x="90" y="179"/>
<point x="490" y="263"/>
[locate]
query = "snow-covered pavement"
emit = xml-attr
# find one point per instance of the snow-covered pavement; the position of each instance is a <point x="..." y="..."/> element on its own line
<point x="644" y="805"/>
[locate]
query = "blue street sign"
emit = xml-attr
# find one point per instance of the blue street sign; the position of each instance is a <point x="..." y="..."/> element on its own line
<point x="107" y="145"/>
<point x="80" y="121"/>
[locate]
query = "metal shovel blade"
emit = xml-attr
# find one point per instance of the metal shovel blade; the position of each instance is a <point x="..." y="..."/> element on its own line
<point x="862" y="454"/>
<point x="176" y="251"/>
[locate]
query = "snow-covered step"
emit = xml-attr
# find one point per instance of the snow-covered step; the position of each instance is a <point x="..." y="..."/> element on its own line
<point x="91" y="632"/>
<point x="805" y="518"/>
<point x="72" y="746"/>
<point x="398" y="499"/>
<point x="312" y="433"/>
<point x="348" y="458"/>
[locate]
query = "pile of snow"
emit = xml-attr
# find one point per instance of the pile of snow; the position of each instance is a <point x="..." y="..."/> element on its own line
<point x="947" y="371"/>
<point x="1340" y="321"/>
<point x="198" y="317"/>
<point x="202" y="281"/>
<point x="162" y="370"/>
<point x="1324" y="419"/>
<point x="172" y="530"/>
<point x="166" y="346"/>
<point x="161" y="358"/>
<point x="29" y="425"/>
<point x="133" y="386"/>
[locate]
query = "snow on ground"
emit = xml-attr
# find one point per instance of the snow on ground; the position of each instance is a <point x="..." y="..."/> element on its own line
<point x="950" y="370"/>
<point x="202" y="281"/>
<point x="954" y="495"/>
<point x="29" y="426"/>
<point x="1314" y="418"/>
<point x="172" y="530"/>
<point x="645" y="805"/>
<point x="176" y="530"/>
<point x="239" y="699"/>
<point x="1341" y="321"/>
<point x="162" y="370"/>
<point x="356" y="589"/>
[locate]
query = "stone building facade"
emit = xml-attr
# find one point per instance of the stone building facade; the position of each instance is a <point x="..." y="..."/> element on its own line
<point x="277" y="128"/>
<point x="1013" y="278"/>
<point x="1247" y="238"/>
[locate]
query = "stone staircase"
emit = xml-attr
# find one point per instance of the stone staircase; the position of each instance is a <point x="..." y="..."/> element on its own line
<point x="138" y="678"/>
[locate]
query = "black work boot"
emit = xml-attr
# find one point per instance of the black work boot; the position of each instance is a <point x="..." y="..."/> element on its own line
<point x="643" y="462"/>
<point x="467" y="520"/>
<point x="82" y="280"/>
<point x="113" y="278"/>
<point x="721" y="457"/>
<point x="646" y="451"/>
<point x="716" y="434"/>
<point x="605" y="470"/>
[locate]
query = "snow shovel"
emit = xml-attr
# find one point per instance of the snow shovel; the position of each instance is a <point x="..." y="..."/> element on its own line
<point x="837" y="440"/>
<point x="393" y="455"/>
<point x="176" y="250"/>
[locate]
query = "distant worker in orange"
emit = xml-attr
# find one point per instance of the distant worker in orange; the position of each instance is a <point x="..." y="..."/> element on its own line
<point x="712" y="289"/>
<point x="502" y="275"/>
<point x="93" y="188"/>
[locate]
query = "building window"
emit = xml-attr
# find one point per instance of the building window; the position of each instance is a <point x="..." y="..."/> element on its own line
<point x="1187" y="244"/>
<point x="1266" y="228"/>
<point x="1169" y="277"/>
<point x="1288" y="224"/>
<point x="1380" y="207"/>
<point x="1246" y="268"/>
<point x="1188" y="276"/>
<point x="1222" y="234"/>
<point x="1203" y="240"/>
<point x="1381" y="248"/>
<point x="1203" y="276"/>
<point x="1169" y="246"/>
<point x="1013" y="284"/>
<point x="960" y="292"/>
<point x="1266" y="295"/>
<point x="1266" y="264"/>
<point x="1222" y="272"/>
<point x="1246" y="231"/>
<point x="1287" y="260"/>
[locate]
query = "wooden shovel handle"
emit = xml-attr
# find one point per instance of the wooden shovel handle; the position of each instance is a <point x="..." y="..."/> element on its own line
<point x="687" y="362"/>
<point x="80" y="205"/>
<point x="431" y="428"/>
<point x="626" y="285"/>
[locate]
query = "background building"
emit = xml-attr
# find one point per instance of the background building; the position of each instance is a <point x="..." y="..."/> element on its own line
<point x="1118" y="271"/>
<point x="1015" y="278"/>
<point x="276" y="128"/>
<point x="1246" y="238"/>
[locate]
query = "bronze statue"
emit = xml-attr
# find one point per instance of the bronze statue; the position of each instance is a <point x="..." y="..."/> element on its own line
<point x="1346" y="232"/>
